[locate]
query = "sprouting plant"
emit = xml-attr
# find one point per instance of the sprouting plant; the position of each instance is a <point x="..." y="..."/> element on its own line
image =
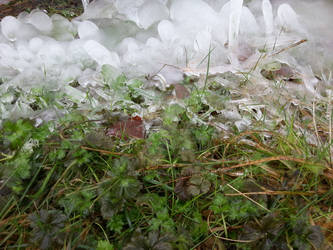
<point x="192" y="183"/>
<point x="155" y="240"/>
<point x="121" y="185"/>
<point x="79" y="202"/>
<point x="266" y="233"/>
<point x="304" y="235"/>
<point x="172" y="142"/>
<point x="47" y="228"/>
<point x="116" y="223"/>
<point x="104" y="245"/>
<point x="20" y="141"/>
<point x="234" y="208"/>
<point x="16" y="133"/>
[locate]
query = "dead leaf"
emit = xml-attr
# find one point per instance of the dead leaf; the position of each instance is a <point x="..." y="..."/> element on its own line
<point x="131" y="127"/>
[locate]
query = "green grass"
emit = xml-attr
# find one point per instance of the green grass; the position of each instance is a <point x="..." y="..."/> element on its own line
<point x="184" y="186"/>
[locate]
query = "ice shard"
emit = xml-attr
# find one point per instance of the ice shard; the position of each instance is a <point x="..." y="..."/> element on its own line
<point x="267" y="12"/>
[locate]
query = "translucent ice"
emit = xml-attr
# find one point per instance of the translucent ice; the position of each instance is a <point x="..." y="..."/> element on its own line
<point x="10" y="26"/>
<point x="287" y="18"/>
<point x="63" y="29"/>
<point x="129" y="8"/>
<point x="167" y="31"/>
<point x="234" y="22"/>
<point x="151" y="12"/>
<point x="41" y="21"/>
<point x="248" y="23"/>
<point x="196" y="13"/>
<point x="100" y="54"/>
<point x="88" y="29"/>
<point x="203" y="41"/>
<point x="267" y="12"/>
<point x="13" y="29"/>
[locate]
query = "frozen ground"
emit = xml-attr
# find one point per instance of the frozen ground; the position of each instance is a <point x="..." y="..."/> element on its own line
<point x="261" y="52"/>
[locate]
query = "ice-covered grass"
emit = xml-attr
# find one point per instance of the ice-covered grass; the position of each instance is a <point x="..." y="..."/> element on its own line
<point x="167" y="125"/>
<point x="165" y="40"/>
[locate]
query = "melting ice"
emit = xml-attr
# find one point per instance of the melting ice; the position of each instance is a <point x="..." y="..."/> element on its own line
<point x="160" y="38"/>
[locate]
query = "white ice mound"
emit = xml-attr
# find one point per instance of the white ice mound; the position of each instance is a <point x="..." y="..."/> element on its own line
<point x="151" y="12"/>
<point x="100" y="54"/>
<point x="162" y="38"/>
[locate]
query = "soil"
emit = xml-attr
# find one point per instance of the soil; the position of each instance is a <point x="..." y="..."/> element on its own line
<point x="69" y="8"/>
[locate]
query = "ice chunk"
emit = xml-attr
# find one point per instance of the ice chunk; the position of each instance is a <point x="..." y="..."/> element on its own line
<point x="151" y="12"/>
<point x="248" y="23"/>
<point x="35" y="44"/>
<point x="100" y="54"/>
<point x="129" y="8"/>
<point x="85" y="4"/>
<point x="88" y="29"/>
<point x="288" y="18"/>
<point x="24" y="52"/>
<point x="115" y="30"/>
<point x="166" y="31"/>
<point x="71" y="73"/>
<point x="13" y="29"/>
<point x="267" y="12"/>
<point x="78" y="55"/>
<point x="236" y="7"/>
<point x="63" y="29"/>
<point x="99" y="9"/>
<point x="40" y="21"/>
<point x="51" y="53"/>
<point x="203" y="41"/>
<point x="10" y="26"/>
<point x="128" y="45"/>
<point x="195" y="13"/>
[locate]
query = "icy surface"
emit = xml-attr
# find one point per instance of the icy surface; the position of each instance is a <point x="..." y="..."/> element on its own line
<point x="160" y="41"/>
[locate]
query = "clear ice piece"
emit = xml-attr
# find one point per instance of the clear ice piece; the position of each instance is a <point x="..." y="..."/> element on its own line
<point x="267" y="12"/>
<point x="101" y="54"/>
<point x="88" y="29"/>
<point x="10" y="26"/>
<point x="151" y="12"/>
<point x="236" y="7"/>
<point x="166" y="31"/>
<point x="288" y="18"/>
<point x="41" y="21"/>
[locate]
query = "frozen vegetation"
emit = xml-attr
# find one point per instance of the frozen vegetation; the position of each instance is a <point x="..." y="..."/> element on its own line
<point x="159" y="42"/>
<point x="168" y="124"/>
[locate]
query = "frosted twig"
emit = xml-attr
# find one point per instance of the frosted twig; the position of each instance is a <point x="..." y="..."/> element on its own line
<point x="290" y="47"/>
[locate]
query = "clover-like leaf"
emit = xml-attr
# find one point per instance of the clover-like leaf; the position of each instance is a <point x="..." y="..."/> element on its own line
<point x="47" y="228"/>
<point x="154" y="241"/>
<point x="191" y="183"/>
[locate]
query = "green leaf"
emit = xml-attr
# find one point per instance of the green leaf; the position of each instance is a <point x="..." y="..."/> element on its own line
<point x="116" y="223"/>
<point x="109" y="73"/>
<point x="104" y="245"/>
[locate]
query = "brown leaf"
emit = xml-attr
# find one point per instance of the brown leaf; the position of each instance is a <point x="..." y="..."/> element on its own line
<point x="131" y="127"/>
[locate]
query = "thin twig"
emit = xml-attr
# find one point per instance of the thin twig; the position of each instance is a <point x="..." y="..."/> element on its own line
<point x="250" y="199"/>
<point x="289" y="47"/>
<point x="314" y="121"/>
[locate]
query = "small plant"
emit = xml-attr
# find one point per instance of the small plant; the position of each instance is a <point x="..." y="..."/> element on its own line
<point x="192" y="183"/>
<point x="119" y="187"/>
<point x="48" y="228"/>
<point x="154" y="241"/>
